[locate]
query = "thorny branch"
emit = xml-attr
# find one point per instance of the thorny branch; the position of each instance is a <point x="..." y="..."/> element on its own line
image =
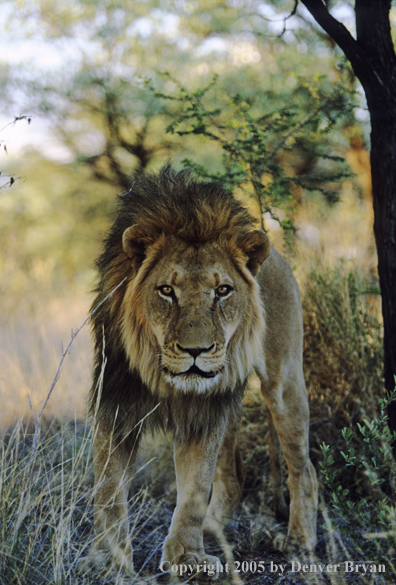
<point x="300" y="125"/>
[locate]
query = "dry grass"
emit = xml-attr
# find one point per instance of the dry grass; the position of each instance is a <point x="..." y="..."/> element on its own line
<point x="31" y="344"/>
<point x="46" y="508"/>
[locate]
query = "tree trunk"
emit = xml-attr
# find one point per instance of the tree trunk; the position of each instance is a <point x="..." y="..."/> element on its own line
<point x="383" y="170"/>
<point x="373" y="60"/>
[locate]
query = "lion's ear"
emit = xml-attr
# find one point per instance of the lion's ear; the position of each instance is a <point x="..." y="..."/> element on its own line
<point x="135" y="241"/>
<point x="256" y="246"/>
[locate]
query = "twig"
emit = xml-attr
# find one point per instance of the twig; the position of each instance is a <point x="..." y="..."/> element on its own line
<point x="15" y="120"/>
<point x="386" y="534"/>
<point x="11" y="181"/>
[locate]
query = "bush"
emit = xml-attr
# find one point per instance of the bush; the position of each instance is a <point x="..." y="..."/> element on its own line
<point x="343" y="354"/>
<point x="374" y="459"/>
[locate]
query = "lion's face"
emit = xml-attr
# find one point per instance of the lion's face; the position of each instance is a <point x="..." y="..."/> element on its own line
<point x="198" y="313"/>
<point x="195" y="301"/>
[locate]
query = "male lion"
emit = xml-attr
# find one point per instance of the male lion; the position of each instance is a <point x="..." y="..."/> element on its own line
<point x="199" y="301"/>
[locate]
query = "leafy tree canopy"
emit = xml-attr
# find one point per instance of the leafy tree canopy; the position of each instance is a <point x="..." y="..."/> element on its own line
<point x="87" y="81"/>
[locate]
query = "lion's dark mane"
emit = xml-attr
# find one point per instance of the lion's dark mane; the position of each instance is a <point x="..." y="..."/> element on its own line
<point x="175" y="204"/>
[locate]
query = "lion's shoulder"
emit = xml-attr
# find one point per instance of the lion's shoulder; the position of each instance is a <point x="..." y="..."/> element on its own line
<point x="277" y="281"/>
<point x="281" y="298"/>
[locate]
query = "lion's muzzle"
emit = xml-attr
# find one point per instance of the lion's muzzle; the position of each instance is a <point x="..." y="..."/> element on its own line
<point x="193" y="369"/>
<point x="192" y="361"/>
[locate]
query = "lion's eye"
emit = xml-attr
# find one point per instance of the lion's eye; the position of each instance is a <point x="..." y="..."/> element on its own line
<point x="166" y="290"/>
<point x="223" y="290"/>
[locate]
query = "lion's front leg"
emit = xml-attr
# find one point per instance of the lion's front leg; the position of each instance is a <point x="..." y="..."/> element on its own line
<point x="288" y="404"/>
<point x="195" y="463"/>
<point x="228" y="482"/>
<point x="112" y="468"/>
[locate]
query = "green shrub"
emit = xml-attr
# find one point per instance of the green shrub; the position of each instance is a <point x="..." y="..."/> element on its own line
<point x="370" y="525"/>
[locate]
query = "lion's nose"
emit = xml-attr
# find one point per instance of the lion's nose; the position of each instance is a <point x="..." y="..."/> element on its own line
<point x="195" y="351"/>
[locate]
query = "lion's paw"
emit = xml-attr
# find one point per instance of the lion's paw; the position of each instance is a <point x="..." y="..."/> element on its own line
<point x="284" y="544"/>
<point x="101" y="558"/>
<point x="95" y="557"/>
<point x="290" y="545"/>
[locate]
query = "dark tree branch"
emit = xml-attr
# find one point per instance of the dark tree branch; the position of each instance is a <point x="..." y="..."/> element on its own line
<point x="292" y="13"/>
<point x="372" y="54"/>
<point x="334" y="28"/>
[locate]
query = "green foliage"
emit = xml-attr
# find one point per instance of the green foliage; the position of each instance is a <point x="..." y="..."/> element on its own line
<point x="377" y="464"/>
<point x="254" y="145"/>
